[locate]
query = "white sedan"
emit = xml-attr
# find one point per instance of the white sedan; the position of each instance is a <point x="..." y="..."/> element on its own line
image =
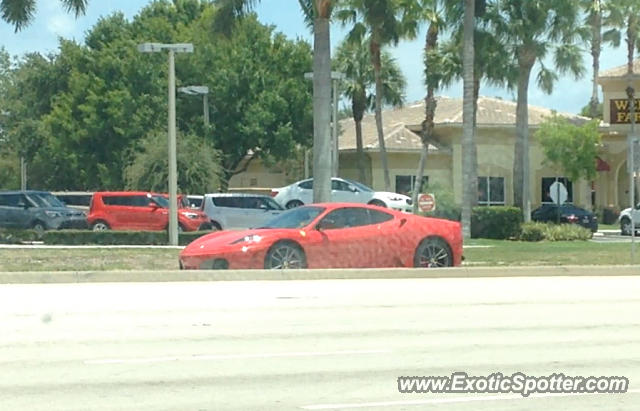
<point x="342" y="191"/>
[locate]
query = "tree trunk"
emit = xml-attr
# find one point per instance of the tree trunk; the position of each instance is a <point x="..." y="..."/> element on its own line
<point x="321" y="110"/>
<point x="474" y="147"/>
<point x="417" y="184"/>
<point x="521" y="191"/>
<point x="467" y="117"/>
<point x="360" y="161"/>
<point x="375" y="57"/>
<point x="596" y="44"/>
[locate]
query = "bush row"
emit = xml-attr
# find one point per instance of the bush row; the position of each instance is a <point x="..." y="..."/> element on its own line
<point x="495" y="222"/>
<point x="553" y="232"/>
<point x="82" y="237"/>
<point x="15" y="236"/>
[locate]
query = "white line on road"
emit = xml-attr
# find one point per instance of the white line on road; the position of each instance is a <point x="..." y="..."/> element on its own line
<point x="505" y="397"/>
<point x="217" y="357"/>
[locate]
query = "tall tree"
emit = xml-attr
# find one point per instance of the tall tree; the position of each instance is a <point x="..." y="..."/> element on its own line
<point x="318" y="15"/>
<point x="19" y="13"/>
<point x="531" y="30"/>
<point x="383" y="22"/>
<point x="354" y="60"/>
<point x="468" y="147"/>
<point x="594" y="12"/>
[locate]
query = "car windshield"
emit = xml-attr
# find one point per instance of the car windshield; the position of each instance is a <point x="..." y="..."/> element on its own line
<point x="45" y="200"/>
<point x="295" y="218"/>
<point x="360" y="186"/>
<point x="272" y="204"/>
<point x="161" y="201"/>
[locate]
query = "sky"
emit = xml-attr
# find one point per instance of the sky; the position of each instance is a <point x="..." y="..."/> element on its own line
<point x="51" y="22"/>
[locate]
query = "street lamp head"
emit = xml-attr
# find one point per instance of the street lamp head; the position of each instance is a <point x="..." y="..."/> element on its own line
<point x="157" y="47"/>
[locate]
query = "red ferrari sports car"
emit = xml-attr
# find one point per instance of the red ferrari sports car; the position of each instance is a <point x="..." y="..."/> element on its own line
<point x="331" y="235"/>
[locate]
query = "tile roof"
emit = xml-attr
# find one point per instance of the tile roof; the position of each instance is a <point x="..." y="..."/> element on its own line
<point x="401" y="125"/>
<point x="620" y="71"/>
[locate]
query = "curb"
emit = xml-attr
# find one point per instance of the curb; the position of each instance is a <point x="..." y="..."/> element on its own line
<point x="67" y="277"/>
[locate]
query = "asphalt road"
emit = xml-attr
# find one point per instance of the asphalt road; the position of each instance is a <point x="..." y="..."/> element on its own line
<point x="333" y="344"/>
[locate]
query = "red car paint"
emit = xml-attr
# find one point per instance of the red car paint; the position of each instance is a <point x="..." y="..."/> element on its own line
<point x="391" y="243"/>
<point x="134" y="210"/>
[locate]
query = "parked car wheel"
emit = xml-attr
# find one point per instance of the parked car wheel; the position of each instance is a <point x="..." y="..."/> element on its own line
<point x="625" y="226"/>
<point x="100" y="226"/>
<point x="378" y="203"/>
<point x="285" y="255"/>
<point x="39" y="228"/>
<point x="215" y="226"/>
<point x="433" y="252"/>
<point x="294" y="204"/>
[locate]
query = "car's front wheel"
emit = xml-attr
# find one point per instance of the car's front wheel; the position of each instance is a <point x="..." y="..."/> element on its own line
<point x="625" y="226"/>
<point x="378" y="203"/>
<point x="433" y="252"/>
<point x="285" y="255"/>
<point x="294" y="204"/>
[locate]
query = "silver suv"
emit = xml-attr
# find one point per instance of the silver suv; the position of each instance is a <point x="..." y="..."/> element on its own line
<point x="236" y="210"/>
<point x="39" y="210"/>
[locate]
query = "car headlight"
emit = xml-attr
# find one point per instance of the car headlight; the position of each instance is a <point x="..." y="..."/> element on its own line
<point x="53" y="214"/>
<point x="254" y="238"/>
<point x="192" y="216"/>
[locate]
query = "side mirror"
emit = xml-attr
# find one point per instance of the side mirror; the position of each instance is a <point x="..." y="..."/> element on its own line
<point x="326" y="224"/>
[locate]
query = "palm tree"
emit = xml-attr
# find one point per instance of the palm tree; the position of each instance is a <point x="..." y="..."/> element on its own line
<point x="530" y="31"/>
<point x="354" y="60"/>
<point x="594" y="11"/>
<point x="318" y="14"/>
<point x="383" y="22"/>
<point x="469" y="181"/>
<point x="19" y="13"/>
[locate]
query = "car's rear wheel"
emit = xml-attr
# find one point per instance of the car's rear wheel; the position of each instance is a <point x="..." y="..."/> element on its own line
<point x="378" y="203"/>
<point x="285" y="255"/>
<point x="100" y="226"/>
<point x="39" y="228"/>
<point x="294" y="204"/>
<point x="433" y="252"/>
<point x="625" y="226"/>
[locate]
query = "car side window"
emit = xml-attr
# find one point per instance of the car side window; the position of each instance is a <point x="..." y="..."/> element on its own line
<point x="227" y="202"/>
<point x="112" y="200"/>
<point x="306" y="185"/>
<point x="138" y="201"/>
<point x="12" y="200"/>
<point x="378" y="217"/>
<point x="253" y="203"/>
<point x="339" y="185"/>
<point x="346" y="218"/>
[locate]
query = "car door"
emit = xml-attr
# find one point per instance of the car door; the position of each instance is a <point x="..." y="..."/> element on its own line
<point x="258" y="210"/>
<point x="303" y="192"/>
<point x="341" y="192"/>
<point x="348" y="239"/>
<point x="231" y="211"/>
<point x="14" y="211"/>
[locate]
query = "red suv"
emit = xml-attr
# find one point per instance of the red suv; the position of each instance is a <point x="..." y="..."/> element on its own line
<point x="139" y="210"/>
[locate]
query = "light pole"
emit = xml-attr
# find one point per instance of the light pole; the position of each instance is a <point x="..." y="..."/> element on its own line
<point x="335" y="154"/>
<point x="173" y="172"/>
<point x="199" y="90"/>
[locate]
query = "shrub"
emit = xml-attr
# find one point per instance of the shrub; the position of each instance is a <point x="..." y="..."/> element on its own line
<point x="532" y="232"/>
<point x="496" y="222"/>
<point x="445" y="204"/>
<point x="566" y="232"/>
<point x="16" y="236"/>
<point x="85" y="237"/>
<point x="609" y="216"/>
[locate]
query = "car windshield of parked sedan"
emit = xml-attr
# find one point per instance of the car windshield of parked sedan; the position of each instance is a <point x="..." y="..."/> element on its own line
<point x="45" y="200"/>
<point x="161" y="201"/>
<point x="295" y="218"/>
<point x="360" y="186"/>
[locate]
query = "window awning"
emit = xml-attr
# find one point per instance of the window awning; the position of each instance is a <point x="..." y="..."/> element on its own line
<point x="602" y="165"/>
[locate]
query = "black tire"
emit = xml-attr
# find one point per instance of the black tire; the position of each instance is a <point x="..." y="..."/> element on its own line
<point x="294" y="204"/>
<point x="215" y="226"/>
<point x="205" y="227"/>
<point x="100" y="226"/>
<point x="284" y="255"/>
<point x="378" y="203"/>
<point x="433" y="252"/>
<point x="625" y="226"/>
<point x="39" y="227"/>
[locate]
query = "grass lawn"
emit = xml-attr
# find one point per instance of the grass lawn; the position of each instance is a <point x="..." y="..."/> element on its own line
<point x="547" y="253"/>
<point x="68" y="259"/>
<point x="500" y="253"/>
<point x="609" y="227"/>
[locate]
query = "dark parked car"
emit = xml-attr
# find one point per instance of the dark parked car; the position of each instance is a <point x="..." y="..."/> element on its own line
<point x="569" y="213"/>
<point x="39" y="210"/>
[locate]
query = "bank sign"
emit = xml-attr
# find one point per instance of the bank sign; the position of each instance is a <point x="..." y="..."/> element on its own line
<point x="619" y="109"/>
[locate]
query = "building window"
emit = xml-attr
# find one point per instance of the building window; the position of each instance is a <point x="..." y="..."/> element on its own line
<point x="546" y="185"/>
<point x="404" y="184"/>
<point x="490" y="191"/>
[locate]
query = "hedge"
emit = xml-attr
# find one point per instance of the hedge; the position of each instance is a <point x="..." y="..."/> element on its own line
<point x="497" y="222"/>
<point x="17" y="236"/>
<point x="111" y="237"/>
<point x="553" y="232"/>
